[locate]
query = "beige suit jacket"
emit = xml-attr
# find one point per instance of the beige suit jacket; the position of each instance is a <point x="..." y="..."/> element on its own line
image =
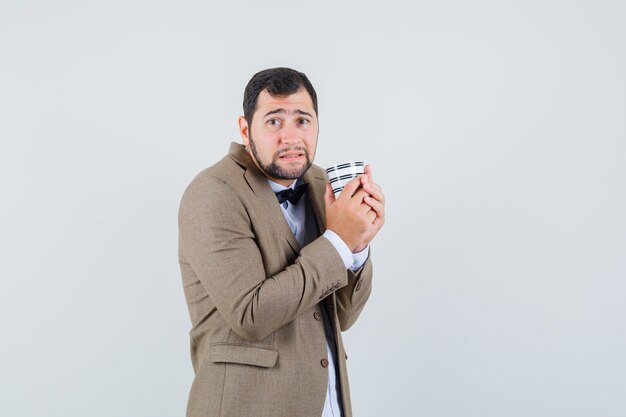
<point x="258" y="346"/>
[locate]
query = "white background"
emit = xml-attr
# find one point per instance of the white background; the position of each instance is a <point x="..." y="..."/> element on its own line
<point x="496" y="128"/>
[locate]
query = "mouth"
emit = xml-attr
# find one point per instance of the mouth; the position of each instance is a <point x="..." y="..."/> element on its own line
<point x="291" y="156"/>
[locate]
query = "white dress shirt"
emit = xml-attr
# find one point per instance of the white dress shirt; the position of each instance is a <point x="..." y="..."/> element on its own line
<point x="304" y="229"/>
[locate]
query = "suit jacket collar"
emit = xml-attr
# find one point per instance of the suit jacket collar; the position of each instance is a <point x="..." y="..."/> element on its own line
<point x="258" y="183"/>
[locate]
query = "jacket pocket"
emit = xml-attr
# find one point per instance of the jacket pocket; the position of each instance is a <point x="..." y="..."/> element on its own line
<point x="245" y="354"/>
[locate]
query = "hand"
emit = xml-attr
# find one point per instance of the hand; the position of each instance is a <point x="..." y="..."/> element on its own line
<point x="358" y="213"/>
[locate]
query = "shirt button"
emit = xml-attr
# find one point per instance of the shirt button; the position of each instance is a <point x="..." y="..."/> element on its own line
<point x="324" y="363"/>
<point x="317" y="315"/>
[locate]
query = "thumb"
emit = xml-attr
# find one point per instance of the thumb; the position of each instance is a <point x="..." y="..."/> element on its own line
<point x="329" y="196"/>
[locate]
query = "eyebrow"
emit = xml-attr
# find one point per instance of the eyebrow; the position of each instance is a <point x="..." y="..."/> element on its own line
<point x="282" y="111"/>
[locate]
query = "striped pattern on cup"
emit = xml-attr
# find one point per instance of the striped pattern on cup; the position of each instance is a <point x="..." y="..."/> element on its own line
<point x="339" y="175"/>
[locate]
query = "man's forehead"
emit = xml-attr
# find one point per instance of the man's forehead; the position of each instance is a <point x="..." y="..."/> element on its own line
<point x="300" y="100"/>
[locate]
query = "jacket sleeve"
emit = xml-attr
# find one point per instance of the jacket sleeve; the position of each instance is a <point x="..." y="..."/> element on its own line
<point x="352" y="298"/>
<point x="218" y="241"/>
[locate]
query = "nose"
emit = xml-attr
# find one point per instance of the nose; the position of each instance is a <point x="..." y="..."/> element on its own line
<point x="290" y="135"/>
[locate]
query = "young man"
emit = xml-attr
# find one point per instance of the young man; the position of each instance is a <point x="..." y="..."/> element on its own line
<point x="273" y="267"/>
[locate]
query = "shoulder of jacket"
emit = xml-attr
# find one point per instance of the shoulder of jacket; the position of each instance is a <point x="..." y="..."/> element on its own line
<point x="220" y="176"/>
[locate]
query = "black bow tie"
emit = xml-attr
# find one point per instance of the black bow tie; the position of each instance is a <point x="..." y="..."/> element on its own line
<point x="293" y="196"/>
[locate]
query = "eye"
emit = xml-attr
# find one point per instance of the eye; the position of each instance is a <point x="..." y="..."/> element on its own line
<point x="304" y="121"/>
<point x="273" y="122"/>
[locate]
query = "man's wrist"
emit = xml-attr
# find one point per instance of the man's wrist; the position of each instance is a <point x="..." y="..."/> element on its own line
<point x="352" y="261"/>
<point x="342" y="248"/>
<point x="360" y="258"/>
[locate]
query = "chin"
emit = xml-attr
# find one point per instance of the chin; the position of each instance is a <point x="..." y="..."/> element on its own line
<point x="296" y="171"/>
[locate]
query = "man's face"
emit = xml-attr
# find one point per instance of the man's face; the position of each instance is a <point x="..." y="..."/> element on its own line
<point x="283" y="135"/>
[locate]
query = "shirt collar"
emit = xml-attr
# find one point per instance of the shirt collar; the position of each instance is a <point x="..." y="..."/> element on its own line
<point x="276" y="187"/>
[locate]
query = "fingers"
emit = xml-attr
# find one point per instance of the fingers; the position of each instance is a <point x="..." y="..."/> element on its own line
<point x="363" y="178"/>
<point x="329" y="196"/>
<point x="359" y="196"/>
<point x="350" y="188"/>
<point x="374" y="190"/>
<point x="368" y="172"/>
<point x="377" y="206"/>
<point x="371" y="215"/>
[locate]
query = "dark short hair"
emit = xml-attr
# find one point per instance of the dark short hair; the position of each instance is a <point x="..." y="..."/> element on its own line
<point x="278" y="82"/>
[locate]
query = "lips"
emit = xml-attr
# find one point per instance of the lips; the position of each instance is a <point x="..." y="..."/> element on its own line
<point x="291" y="155"/>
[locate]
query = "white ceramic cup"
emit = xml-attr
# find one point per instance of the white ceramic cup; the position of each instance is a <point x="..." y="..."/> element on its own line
<point x="340" y="174"/>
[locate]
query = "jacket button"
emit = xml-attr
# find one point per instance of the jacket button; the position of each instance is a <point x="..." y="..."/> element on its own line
<point x="317" y="315"/>
<point x="324" y="363"/>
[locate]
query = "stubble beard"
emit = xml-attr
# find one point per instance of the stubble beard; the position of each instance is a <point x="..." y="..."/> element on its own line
<point x="276" y="171"/>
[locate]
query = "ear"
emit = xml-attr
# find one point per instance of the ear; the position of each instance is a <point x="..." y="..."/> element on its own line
<point x="243" y="130"/>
